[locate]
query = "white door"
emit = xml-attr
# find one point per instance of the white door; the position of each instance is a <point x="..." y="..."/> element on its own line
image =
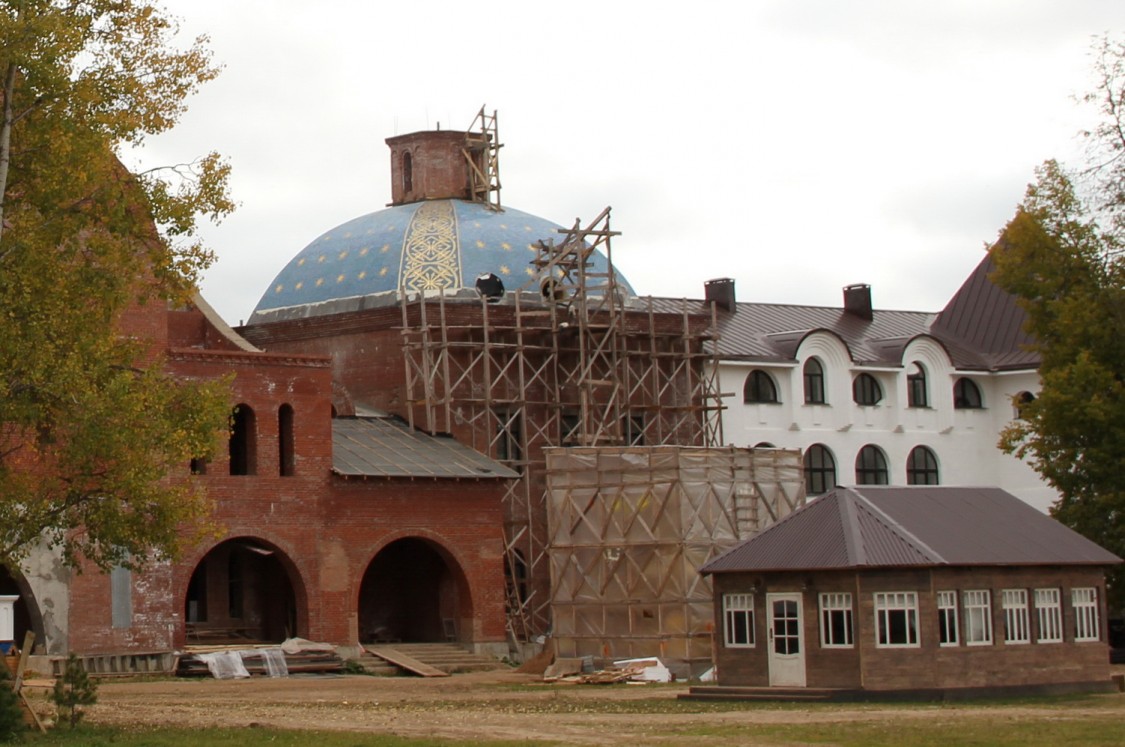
<point x="787" y="652"/>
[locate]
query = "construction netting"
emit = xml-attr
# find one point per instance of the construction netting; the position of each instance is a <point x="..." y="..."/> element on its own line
<point x="629" y="529"/>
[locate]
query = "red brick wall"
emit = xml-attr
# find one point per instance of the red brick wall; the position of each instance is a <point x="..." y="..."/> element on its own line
<point x="928" y="666"/>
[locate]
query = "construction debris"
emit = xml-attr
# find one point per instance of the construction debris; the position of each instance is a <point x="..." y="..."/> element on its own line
<point x="232" y="662"/>
<point x="581" y="672"/>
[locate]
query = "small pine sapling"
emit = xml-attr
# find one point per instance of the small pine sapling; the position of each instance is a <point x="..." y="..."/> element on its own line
<point x="72" y="690"/>
<point x="12" y="724"/>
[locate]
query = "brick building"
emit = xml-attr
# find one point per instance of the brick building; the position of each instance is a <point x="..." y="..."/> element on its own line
<point x="344" y="530"/>
<point x="931" y="590"/>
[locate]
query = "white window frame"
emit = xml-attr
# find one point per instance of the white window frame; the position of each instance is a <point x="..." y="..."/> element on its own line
<point x="888" y="603"/>
<point x="977" y="604"/>
<point x="1087" y="627"/>
<point x="1048" y="613"/>
<point x="947" y="611"/>
<point x="1017" y="621"/>
<point x="833" y="604"/>
<point x="738" y="616"/>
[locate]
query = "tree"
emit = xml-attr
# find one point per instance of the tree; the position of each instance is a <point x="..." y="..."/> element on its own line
<point x="1061" y="257"/>
<point x="73" y="690"/>
<point x="95" y="437"/>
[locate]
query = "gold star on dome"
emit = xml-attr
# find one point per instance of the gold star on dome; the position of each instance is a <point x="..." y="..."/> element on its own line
<point x="480" y="244"/>
<point x="347" y="234"/>
<point x="363" y="252"/>
<point x="530" y="271"/>
<point x="527" y="228"/>
<point x="531" y="247"/>
<point x="279" y="289"/>
<point x="342" y="255"/>
<point x="382" y="272"/>
<point x="300" y="261"/>
<point x="340" y="278"/>
<point x="504" y="226"/>
<point x="476" y="224"/>
<point x="326" y="237"/>
<point x="319" y="282"/>
<point x="299" y="285"/>
<point x="320" y="258"/>
<point x="385" y="248"/>
<point x="504" y="270"/>
<point x="505" y="246"/>
<point x="362" y="274"/>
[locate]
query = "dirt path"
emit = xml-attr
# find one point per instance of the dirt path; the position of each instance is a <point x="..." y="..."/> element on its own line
<point x="486" y="706"/>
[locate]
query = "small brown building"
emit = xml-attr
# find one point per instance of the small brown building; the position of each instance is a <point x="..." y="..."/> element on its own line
<point x="936" y="591"/>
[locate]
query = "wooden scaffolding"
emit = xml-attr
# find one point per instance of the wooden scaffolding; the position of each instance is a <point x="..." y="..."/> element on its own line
<point x="569" y="359"/>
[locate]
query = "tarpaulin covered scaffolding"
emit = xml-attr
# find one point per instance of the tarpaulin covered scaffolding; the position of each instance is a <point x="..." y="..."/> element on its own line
<point x="630" y="527"/>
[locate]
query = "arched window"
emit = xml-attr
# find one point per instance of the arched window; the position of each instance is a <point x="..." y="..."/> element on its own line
<point x="407" y="171"/>
<point x="916" y="394"/>
<point x="759" y="388"/>
<point x="966" y="395"/>
<point x="243" y="441"/>
<point x="820" y="470"/>
<point x="871" y="467"/>
<point x="285" y="457"/>
<point x="1023" y="399"/>
<point x="814" y="382"/>
<point x="921" y="467"/>
<point x="866" y="390"/>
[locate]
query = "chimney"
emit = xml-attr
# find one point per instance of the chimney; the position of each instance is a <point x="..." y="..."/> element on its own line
<point x="857" y="300"/>
<point x="721" y="292"/>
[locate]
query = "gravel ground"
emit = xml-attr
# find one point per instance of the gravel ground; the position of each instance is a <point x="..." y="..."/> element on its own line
<point x="489" y="706"/>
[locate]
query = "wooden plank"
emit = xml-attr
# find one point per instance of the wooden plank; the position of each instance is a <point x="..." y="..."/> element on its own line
<point x="408" y="663"/>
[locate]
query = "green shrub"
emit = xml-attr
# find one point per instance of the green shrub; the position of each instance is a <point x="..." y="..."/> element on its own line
<point x="72" y="690"/>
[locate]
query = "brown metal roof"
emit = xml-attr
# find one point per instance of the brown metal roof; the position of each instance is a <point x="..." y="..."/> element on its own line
<point x="384" y="447"/>
<point x="981" y="328"/>
<point x="986" y="319"/>
<point x="882" y="526"/>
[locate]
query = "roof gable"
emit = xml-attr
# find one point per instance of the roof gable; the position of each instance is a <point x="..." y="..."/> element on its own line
<point x="881" y="526"/>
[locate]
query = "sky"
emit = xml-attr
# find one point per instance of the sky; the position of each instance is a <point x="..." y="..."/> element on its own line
<point x="796" y="146"/>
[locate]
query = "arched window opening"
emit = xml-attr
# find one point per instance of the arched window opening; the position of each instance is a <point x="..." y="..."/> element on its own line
<point x="820" y="470"/>
<point x="243" y="441"/>
<point x="871" y="467"/>
<point x="199" y="466"/>
<point x="407" y="171"/>
<point x="814" y="382"/>
<point x="921" y="467"/>
<point x="759" y="389"/>
<point x="764" y="445"/>
<point x="286" y="460"/>
<point x="966" y="395"/>
<point x="916" y="392"/>
<point x="1023" y="399"/>
<point x="866" y="390"/>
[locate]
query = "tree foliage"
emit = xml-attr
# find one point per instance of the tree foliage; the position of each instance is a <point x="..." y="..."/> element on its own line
<point x="1061" y="257"/>
<point x="74" y="689"/>
<point x="91" y="427"/>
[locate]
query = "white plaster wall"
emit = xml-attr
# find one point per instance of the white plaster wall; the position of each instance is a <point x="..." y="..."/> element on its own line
<point x="964" y="441"/>
<point x="49" y="580"/>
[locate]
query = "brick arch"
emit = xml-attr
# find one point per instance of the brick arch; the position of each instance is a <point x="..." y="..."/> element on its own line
<point x="257" y="568"/>
<point x="414" y="588"/>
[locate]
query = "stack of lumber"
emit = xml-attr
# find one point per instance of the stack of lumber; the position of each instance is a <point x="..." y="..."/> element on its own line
<point x="306" y="662"/>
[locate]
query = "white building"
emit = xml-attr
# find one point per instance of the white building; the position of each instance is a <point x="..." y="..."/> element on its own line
<point x="881" y="397"/>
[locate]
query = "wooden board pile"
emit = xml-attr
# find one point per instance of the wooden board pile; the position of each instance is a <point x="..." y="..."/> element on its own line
<point x="300" y="662"/>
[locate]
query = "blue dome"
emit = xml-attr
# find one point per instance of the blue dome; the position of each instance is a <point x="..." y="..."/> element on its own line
<point x="424" y="246"/>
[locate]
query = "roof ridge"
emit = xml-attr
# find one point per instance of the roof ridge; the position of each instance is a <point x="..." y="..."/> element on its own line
<point x="899" y="530"/>
<point x="857" y="553"/>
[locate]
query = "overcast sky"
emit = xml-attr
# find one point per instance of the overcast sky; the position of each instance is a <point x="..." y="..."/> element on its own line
<point x="796" y="146"/>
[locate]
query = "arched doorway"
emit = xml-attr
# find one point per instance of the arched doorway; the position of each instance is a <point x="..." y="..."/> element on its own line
<point x="413" y="591"/>
<point x="242" y="590"/>
<point x="26" y="615"/>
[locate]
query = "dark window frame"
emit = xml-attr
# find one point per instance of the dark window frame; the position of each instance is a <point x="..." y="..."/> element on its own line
<point x="967" y="395"/>
<point x="917" y="392"/>
<point x="820" y="469"/>
<point x="866" y="390"/>
<point x="813" y="377"/>
<point x="760" y="389"/>
<point x="871" y="466"/>
<point x="922" y="467"/>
